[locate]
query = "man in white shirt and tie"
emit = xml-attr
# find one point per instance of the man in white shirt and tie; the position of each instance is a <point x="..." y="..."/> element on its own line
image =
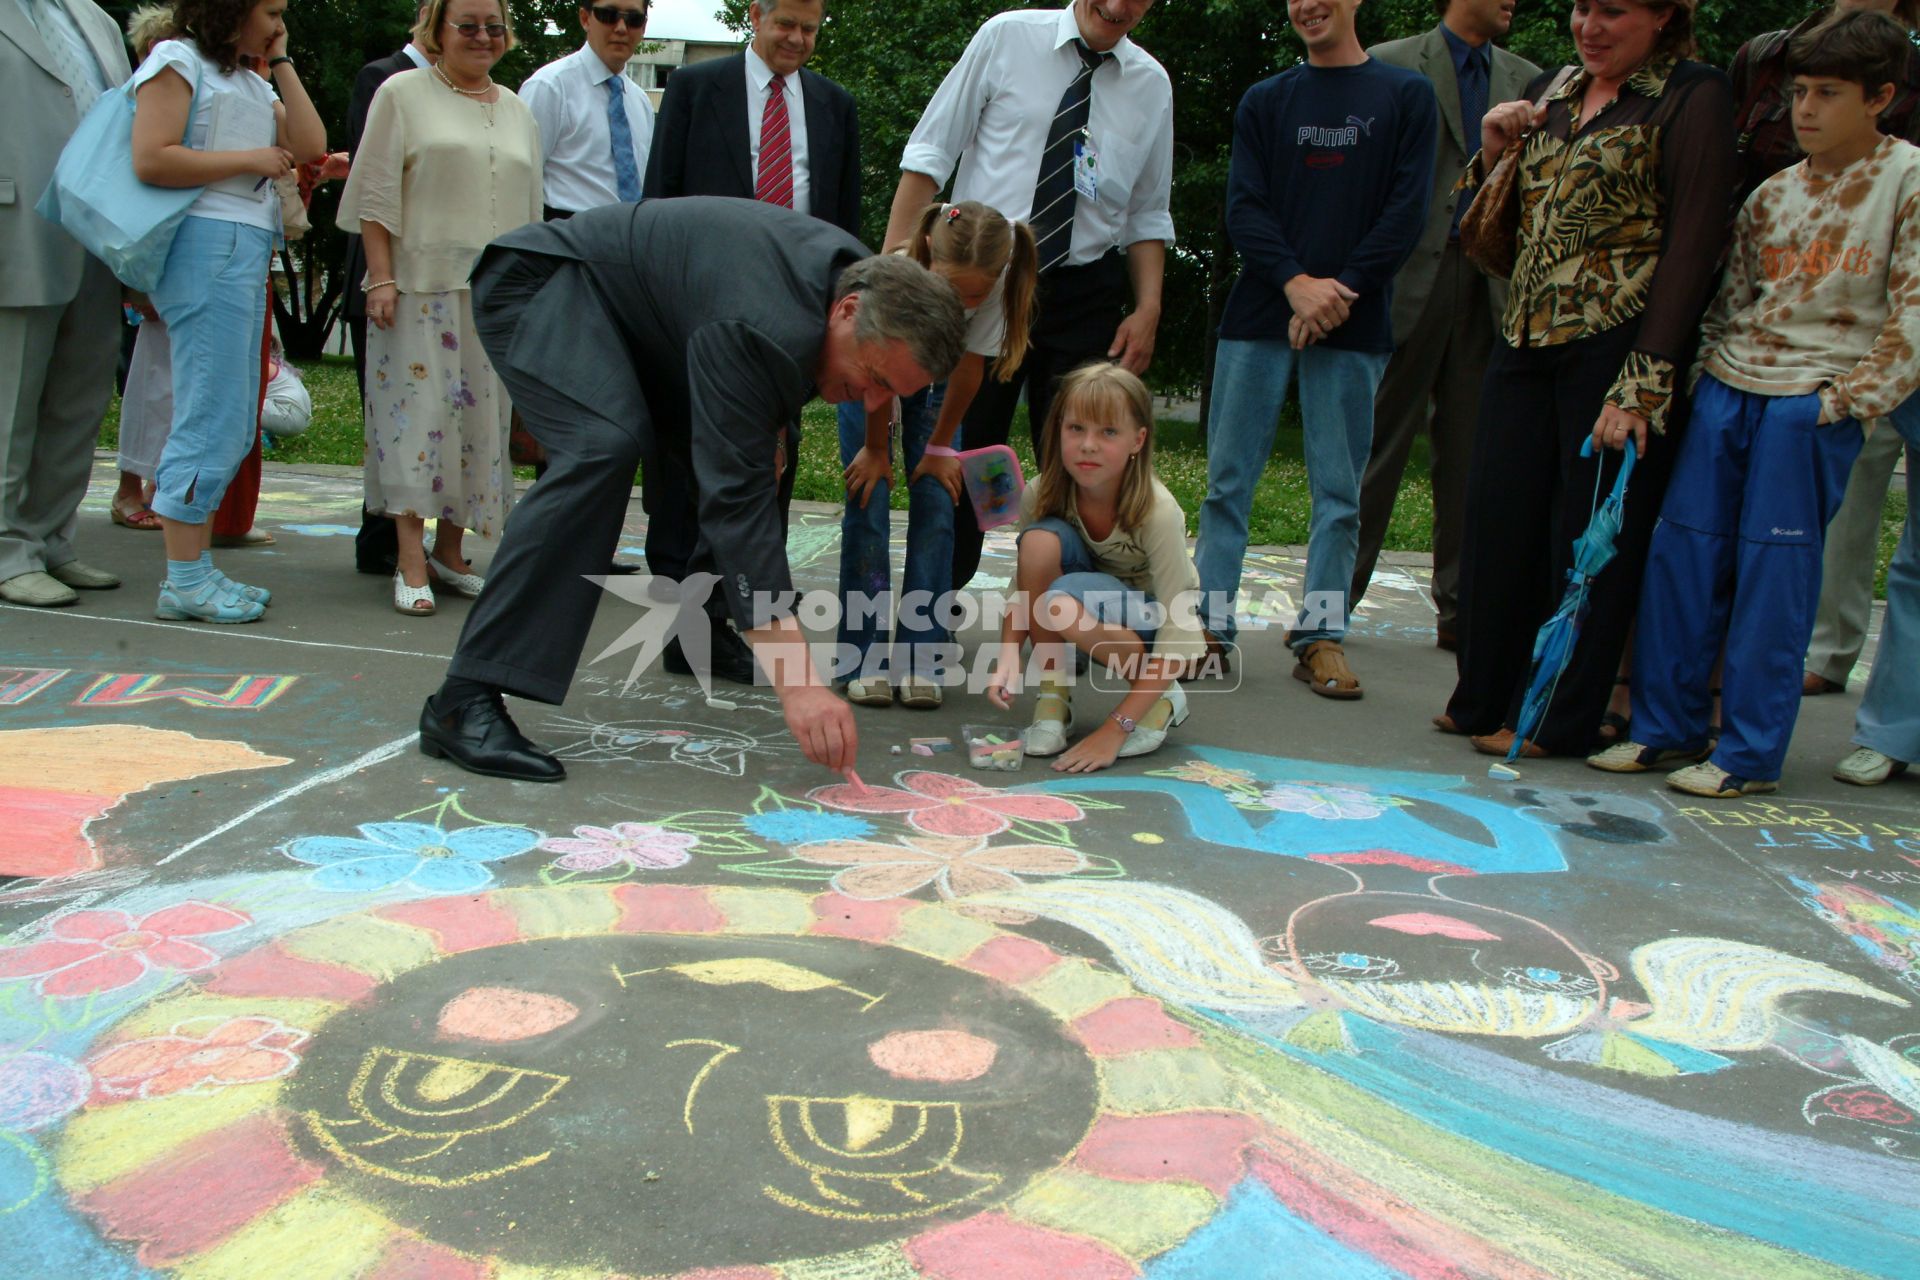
<point x="1056" y="118"/>
<point x="596" y="125"/>
<point x="59" y="306"/>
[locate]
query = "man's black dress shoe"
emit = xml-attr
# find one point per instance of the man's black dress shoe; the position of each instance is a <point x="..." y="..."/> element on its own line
<point x="622" y="567"/>
<point x="732" y="656"/>
<point x="480" y="737"/>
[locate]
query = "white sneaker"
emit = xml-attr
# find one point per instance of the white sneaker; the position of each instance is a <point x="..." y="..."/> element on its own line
<point x="1632" y="757"/>
<point x="1143" y="739"/>
<point x="868" y="691"/>
<point x="1865" y="767"/>
<point x="920" y="693"/>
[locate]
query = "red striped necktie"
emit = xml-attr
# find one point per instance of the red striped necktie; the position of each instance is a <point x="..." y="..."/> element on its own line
<point x="774" y="184"/>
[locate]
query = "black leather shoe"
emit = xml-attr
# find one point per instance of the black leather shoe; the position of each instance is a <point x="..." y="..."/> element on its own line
<point x="480" y="737"/>
<point x="622" y="567"/>
<point x="732" y="656"/>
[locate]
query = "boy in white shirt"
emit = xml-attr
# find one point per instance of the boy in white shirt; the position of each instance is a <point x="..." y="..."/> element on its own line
<point x="1810" y="340"/>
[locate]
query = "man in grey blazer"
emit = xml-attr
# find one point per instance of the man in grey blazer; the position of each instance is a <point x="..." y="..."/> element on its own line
<point x="59" y="306"/>
<point x="696" y="329"/>
<point x="1445" y="312"/>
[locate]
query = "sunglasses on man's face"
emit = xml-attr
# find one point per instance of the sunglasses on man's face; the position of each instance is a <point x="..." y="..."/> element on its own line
<point x="494" y="30"/>
<point x="612" y="17"/>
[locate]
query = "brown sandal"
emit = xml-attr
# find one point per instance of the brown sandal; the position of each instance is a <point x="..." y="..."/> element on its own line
<point x="1323" y="667"/>
<point x="141" y="517"/>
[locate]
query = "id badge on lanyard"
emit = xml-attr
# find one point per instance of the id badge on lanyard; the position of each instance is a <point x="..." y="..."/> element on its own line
<point x="1086" y="163"/>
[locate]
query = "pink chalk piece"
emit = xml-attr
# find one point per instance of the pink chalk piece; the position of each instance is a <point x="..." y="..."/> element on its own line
<point x="1429" y="922"/>
<point x="270" y="971"/>
<point x="666" y="908"/>
<point x="202" y="1192"/>
<point x="947" y="1056"/>
<point x="408" y="1258"/>
<point x="459" y="924"/>
<point x="45" y="832"/>
<point x="853" y="779"/>
<point x="838" y="916"/>
<point x="1131" y="1025"/>
<point x="1011" y="959"/>
<point x="1207" y="1147"/>
<point x="499" y="1015"/>
<point x="992" y="1246"/>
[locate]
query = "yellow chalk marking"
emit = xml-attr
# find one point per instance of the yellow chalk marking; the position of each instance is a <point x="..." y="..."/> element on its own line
<point x="1075" y="988"/>
<point x="1147" y="837"/>
<point x="1139" y="1219"/>
<point x="104" y="1143"/>
<point x="942" y="933"/>
<point x="700" y="1078"/>
<point x="877" y="1262"/>
<point x="1167" y="1080"/>
<point x="499" y="1270"/>
<point x="572" y="911"/>
<point x="860" y="1179"/>
<point x="763" y="910"/>
<point x="317" y="1234"/>
<point x="382" y="949"/>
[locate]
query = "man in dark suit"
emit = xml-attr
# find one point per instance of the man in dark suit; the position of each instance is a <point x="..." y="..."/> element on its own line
<point x="376" y="545"/>
<point x="723" y="131"/>
<point x="694" y="329"/>
<point x="1445" y="312"/>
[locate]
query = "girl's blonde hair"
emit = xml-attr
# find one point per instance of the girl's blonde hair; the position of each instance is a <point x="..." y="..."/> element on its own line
<point x="970" y="236"/>
<point x="147" y="26"/>
<point x="1099" y="393"/>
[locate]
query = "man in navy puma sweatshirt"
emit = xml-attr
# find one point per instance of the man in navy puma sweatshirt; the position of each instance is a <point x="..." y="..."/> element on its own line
<point x="1327" y="195"/>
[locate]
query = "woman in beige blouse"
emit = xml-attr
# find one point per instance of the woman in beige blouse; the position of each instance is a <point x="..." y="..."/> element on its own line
<point x="449" y="161"/>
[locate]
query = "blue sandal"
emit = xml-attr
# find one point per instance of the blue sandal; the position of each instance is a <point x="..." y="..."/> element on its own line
<point x="209" y="602"/>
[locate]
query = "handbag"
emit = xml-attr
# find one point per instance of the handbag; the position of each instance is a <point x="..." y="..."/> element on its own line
<point x="1490" y="227"/>
<point x="126" y="223"/>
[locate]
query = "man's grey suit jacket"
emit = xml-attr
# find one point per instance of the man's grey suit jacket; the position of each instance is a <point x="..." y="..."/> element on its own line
<point x="39" y="263"/>
<point x="719" y="310"/>
<point x="1429" y="54"/>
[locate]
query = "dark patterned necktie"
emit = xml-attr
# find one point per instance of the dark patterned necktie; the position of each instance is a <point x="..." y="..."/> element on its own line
<point x="1053" y="195"/>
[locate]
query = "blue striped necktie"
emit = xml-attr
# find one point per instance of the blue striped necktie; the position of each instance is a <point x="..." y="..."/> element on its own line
<point x="1053" y="195"/>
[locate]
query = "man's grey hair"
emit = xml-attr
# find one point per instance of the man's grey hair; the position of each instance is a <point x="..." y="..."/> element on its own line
<point x="900" y="299"/>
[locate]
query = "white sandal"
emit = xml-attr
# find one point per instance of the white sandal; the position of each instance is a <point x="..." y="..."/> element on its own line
<point x="461" y="584"/>
<point x="408" y="599"/>
<point x="1048" y="737"/>
<point x="1144" y="740"/>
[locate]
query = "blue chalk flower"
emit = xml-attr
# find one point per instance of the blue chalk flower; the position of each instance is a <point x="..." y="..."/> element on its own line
<point x="804" y="826"/>
<point x="426" y="857"/>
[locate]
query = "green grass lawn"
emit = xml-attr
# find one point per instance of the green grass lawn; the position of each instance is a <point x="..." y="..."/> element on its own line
<point x="1280" y="505"/>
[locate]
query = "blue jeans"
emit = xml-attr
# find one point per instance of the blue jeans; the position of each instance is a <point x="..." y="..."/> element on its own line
<point x="213" y="297"/>
<point x="1250" y="380"/>
<point x="866" y="597"/>
<point x="1102" y="596"/>
<point x="1889" y="716"/>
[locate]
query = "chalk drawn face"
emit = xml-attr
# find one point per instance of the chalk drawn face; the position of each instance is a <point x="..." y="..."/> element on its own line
<point x="761" y="1098"/>
<point x="1423" y="961"/>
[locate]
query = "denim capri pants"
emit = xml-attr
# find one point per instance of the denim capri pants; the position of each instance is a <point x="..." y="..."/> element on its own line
<point x="213" y="296"/>
<point x="1104" y="597"/>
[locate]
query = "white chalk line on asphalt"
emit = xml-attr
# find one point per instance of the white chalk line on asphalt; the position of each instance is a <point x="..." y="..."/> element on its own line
<point x="386" y="751"/>
<point x="226" y="632"/>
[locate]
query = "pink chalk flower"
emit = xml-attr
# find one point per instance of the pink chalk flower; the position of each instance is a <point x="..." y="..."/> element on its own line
<point x="957" y="867"/>
<point x="199" y="1056"/>
<point x="638" y="844"/>
<point x="943" y="805"/>
<point x="104" y="950"/>
<point x="1322" y="801"/>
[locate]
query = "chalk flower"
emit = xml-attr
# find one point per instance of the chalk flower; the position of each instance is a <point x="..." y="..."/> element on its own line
<point x="638" y="844"/>
<point x="200" y="1055"/>
<point x="1866" y="1104"/>
<point x="1216" y="776"/>
<point x="1327" y="803"/>
<point x="805" y="826"/>
<point x="416" y="853"/>
<point x="37" y="1088"/>
<point x="940" y="804"/>
<point x="104" y="950"/>
<point x="956" y="867"/>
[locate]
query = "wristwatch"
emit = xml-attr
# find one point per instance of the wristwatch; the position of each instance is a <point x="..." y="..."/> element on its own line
<point x="1127" y="723"/>
<point x="274" y="62"/>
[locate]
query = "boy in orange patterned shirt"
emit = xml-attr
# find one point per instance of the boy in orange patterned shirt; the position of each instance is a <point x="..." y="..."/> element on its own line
<point x="1811" y="340"/>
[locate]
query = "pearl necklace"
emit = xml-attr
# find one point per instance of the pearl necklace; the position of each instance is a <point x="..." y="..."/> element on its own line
<point x="471" y="93"/>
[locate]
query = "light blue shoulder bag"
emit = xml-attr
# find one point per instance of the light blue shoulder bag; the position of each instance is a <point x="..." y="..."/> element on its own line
<point x="126" y="223"/>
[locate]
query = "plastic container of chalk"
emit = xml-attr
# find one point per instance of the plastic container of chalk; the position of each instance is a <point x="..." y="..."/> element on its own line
<point x="994" y="746"/>
<point x="994" y="484"/>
